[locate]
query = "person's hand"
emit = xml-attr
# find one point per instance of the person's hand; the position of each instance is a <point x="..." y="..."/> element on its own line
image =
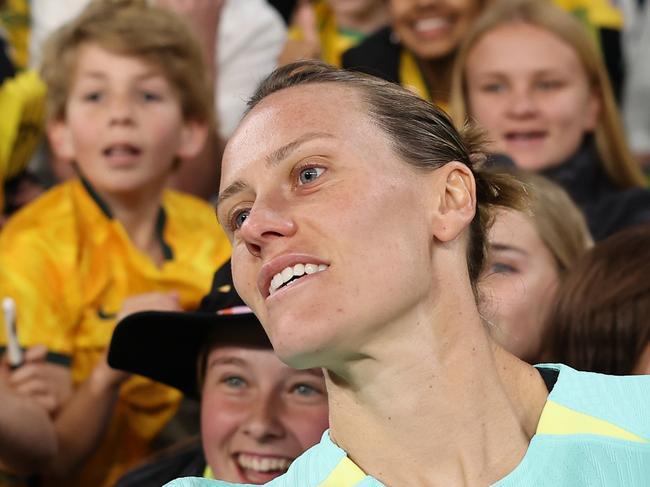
<point x="155" y="301"/>
<point x="50" y="385"/>
<point x="202" y="15"/>
<point x="308" y="47"/>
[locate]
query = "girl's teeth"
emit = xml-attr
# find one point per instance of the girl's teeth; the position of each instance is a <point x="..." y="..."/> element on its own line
<point x="298" y="269"/>
<point x="311" y="268"/>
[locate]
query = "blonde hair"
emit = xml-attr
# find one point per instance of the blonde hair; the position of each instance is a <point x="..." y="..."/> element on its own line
<point x="560" y="225"/>
<point x="130" y="28"/>
<point x="613" y="150"/>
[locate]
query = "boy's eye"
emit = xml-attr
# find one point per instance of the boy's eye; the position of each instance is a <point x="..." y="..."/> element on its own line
<point x="150" y="96"/>
<point x="309" y="174"/>
<point x="92" y="96"/>
<point x="235" y="382"/>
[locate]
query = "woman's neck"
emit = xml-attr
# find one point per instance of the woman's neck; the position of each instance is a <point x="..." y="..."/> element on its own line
<point x="437" y="408"/>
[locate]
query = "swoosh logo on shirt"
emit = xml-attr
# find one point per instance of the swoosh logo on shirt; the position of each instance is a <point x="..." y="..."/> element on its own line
<point x="103" y="315"/>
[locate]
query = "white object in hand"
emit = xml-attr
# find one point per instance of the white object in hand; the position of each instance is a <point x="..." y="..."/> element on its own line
<point x="14" y="352"/>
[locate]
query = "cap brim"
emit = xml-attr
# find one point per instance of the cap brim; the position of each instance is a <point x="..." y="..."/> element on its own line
<point x="165" y="346"/>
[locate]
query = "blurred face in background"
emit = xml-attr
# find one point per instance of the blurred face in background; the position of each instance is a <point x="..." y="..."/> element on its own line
<point x="432" y="29"/>
<point x="356" y="8"/>
<point x="530" y="91"/>
<point x="258" y="414"/>
<point x="518" y="285"/>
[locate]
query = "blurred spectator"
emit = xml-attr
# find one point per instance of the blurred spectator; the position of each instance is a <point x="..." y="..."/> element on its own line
<point x="418" y="49"/>
<point x="257" y="414"/>
<point x="529" y="254"/>
<point x="127" y="97"/>
<point x="533" y="78"/>
<point x="250" y="37"/>
<point x="325" y="29"/>
<point x="600" y="321"/>
<point x="14" y="20"/>
<point x="636" y="105"/>
<point x="604" y="20"/>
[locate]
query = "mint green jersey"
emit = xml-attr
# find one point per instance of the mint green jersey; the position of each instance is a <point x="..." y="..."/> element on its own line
<point x="594" y="431"/>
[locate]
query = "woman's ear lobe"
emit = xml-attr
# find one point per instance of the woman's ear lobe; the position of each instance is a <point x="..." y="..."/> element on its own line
<point x="193" y="137"/>
<point x="457" y="203"/>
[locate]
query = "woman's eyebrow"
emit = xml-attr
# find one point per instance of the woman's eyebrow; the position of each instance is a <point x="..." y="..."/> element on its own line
<point x="273" y="159"/>
<point x="507" y="248"/>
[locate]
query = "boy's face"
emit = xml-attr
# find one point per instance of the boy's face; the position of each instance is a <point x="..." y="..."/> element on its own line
<point x="258" y="414"/>
<point x="124" y="125"/>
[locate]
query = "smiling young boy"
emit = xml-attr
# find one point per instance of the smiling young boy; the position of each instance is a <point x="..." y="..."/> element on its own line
<point x="127" y="99"/>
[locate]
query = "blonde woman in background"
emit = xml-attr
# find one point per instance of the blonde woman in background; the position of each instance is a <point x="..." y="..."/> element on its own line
<point x="531" y="75"/>
<point x="530" y="252"/>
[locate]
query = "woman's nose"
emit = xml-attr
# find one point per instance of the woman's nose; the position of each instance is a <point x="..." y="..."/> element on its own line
<point x="522" y="104"/>
<point x="265" y="225"/>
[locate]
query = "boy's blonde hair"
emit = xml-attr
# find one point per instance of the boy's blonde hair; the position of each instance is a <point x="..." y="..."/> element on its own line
<point x="131" y="28"/>
<point x="613" y="150"/>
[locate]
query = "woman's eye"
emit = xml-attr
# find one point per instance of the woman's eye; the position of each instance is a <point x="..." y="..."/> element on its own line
<point x="309" y="174"/>
<point x="501" y="268"/>
<point x="235" y="382"/>
<point x="238" y="219"/>
<point x="549" y="84"/>
<point x="493" y="88"/>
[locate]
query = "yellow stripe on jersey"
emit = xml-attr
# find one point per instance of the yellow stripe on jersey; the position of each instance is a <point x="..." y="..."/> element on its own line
<point x="345" y="474"/>
<point x="561" y="420"/>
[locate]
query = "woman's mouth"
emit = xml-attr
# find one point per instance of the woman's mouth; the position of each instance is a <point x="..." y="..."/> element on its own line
<point x="259" y="469"/>
<point x="291" y="274"/>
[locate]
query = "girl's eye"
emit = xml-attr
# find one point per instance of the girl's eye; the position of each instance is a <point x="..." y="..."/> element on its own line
<point x="493" y="88"/>
<point x="235" y="382"/>
<point x="238" y="219"/>
<point x="305" y="390"/>
<point x="501" y="268"/>
<point x="549" y="84"/>
<point x="309" y="174"/>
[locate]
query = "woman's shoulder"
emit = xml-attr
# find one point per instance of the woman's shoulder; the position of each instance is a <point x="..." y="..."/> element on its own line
<point x="618" y="404"/>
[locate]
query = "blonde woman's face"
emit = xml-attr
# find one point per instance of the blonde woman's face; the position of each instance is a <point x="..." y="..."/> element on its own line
<point x="432" y="29"/>
<point x="530" y="91"/>
<point x="519" y="284"/>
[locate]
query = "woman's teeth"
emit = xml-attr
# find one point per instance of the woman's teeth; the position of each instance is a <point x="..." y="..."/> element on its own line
<point x="289" y="273"/>
<point x="263" y="464"/>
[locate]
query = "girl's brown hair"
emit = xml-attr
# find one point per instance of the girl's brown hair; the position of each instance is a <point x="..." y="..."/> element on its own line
<point x="613" y="150"/>
<point x="600" y="320"/>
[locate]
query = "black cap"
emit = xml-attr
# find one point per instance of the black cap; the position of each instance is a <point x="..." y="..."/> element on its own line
<point x="164" y="346"/>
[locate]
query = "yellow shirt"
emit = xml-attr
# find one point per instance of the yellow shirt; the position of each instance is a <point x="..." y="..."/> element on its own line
<point x="333" y="41"/>
<point x="15" y="18"/>
<point x="69" y="266"/>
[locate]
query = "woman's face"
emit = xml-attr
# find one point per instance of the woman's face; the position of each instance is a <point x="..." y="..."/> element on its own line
<point x="519" y="284"/>
<point x="529" y="90"/>
<point x="320" y="211"/>
<point x="257" y="414"/>
<point x="432" y="29"/>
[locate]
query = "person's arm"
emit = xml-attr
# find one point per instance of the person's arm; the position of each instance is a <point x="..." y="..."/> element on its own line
<point x="82" y="422"/>
<point x="200" y="175"/>
<point x="27" y="438"/>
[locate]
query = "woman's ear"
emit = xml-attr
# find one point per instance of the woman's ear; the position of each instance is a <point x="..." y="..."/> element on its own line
<point x="193" y="137"/>
<point x="456" y="201"/>
<point x="60" y="138"/>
